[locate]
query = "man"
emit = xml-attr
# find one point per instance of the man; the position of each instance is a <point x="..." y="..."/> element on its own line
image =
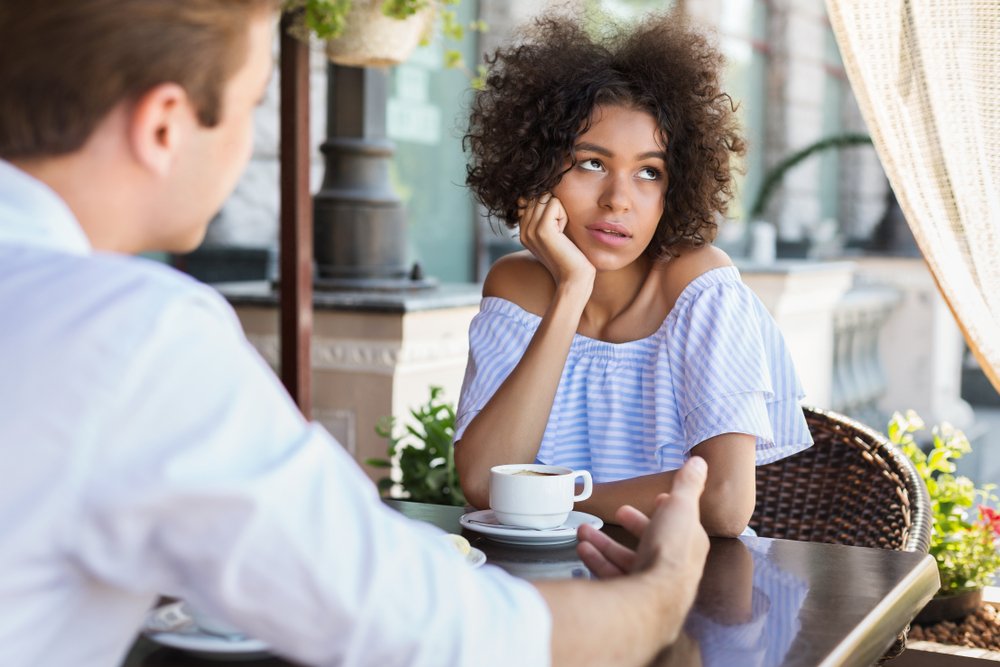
<point x="147" y="449"/>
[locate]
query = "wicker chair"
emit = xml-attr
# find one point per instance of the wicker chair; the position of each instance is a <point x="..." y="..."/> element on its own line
<point x="851" y="487"/>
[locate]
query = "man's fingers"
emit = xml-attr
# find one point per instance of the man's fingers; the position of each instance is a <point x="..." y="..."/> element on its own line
<point x="602" y="555"/>
<point x="615" y="552"/>
<point x="621" y="556"/>
<point x="596" y="561"/>
<point x="632" y="520"/>
<point x="690" y="479"/>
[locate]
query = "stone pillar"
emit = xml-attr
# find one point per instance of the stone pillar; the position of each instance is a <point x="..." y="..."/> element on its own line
<point x="360" y="225"/>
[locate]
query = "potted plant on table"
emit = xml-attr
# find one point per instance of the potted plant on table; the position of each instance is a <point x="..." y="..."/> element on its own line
<point x="965" y="526"/>
<point x="421" y="460"/>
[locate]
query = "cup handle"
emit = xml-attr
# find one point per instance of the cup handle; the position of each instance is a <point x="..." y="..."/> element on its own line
<point x="588" y="485"/>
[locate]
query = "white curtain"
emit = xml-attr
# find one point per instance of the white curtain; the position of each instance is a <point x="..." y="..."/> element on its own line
<point x="926" y="74"/>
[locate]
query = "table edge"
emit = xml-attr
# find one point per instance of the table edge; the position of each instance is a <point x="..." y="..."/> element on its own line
<point x="914" y="591"/>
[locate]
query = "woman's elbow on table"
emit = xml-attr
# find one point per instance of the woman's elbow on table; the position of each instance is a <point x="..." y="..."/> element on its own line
<point x="730" y="492"/>
<point x="726" y="524"/>
<point x="727" y="512"/>
<point x="475" y="485"/>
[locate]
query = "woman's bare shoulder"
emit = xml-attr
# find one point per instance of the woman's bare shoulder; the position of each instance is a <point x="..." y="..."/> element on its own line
<point x="678" y="272"/>
<point x="521" y="279"/>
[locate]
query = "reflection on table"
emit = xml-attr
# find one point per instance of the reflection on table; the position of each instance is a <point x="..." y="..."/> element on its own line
<point x="747" y="608"/>
<point x="761" y="602"/>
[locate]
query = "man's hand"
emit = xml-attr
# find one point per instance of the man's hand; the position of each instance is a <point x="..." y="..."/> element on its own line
<point x="626" y="620"/>
<point x="672" y="540"/>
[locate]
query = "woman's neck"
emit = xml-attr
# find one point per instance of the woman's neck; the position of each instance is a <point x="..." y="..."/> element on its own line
<point x="617" y="297"/>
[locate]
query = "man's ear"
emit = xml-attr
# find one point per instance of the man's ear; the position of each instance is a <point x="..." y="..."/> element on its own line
<point x="158" y="126"/>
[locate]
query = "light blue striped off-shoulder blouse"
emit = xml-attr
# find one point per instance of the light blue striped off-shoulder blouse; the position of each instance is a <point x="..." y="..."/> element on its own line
<point x="718" y="364"/>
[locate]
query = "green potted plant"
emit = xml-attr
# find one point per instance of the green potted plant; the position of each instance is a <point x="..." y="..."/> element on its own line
<point x="965" y="526"/>
<point x="421" y="459"/>
<point x="379" y="33"/>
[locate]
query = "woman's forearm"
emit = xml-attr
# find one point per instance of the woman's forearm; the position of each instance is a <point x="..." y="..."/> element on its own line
<point x="726" y="504"/>
<point x="510" y="426"/>
<point x="639" y="492"/>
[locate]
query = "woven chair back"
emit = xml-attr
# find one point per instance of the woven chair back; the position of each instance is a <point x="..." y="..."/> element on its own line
<point x="851" y="487"/>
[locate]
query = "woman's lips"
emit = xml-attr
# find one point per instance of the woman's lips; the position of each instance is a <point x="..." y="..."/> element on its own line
<point x="609" y="233"/>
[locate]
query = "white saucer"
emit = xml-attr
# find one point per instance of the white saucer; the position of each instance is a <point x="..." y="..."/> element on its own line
<point x="211" y="647"/>
<point x="475" y="557"/>
<point x="565" y="534"/>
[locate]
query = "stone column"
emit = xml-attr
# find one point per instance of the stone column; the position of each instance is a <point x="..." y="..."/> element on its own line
<point x="360" y="225"/>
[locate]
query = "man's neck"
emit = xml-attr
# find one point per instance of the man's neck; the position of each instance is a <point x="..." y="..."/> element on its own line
<point x="97" y="194"/>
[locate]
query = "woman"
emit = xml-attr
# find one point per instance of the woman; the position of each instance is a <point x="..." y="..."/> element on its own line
<point x="620" y="341"/>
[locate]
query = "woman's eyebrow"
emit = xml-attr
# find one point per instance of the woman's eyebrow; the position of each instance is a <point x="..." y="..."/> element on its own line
<point x="593" y="148"/>
<point x="600" y="150"/>
<point x="659" y="155"/>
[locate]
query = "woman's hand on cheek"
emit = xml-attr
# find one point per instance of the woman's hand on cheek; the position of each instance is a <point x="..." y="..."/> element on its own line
<point x="542" y="229"/>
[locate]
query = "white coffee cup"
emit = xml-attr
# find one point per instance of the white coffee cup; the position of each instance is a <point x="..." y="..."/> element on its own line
<point x="530" y="495"/>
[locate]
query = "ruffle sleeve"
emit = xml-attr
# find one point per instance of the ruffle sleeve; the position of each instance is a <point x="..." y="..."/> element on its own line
<point x="498" y="337"/>
<point x="733" y="372"/>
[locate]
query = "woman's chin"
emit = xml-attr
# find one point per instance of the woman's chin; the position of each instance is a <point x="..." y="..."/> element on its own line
<point x="610" y="262"/>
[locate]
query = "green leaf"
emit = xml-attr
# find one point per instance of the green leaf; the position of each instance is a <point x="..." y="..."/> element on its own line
<point x="384" y="427"/>
<point x="938" y="460"/>
<point x="894" y="430"/>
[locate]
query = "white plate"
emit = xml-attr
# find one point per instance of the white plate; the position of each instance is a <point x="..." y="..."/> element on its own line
<point x="211" y="647"/>
<point x="564" y="534"/>
<point x="475" y="557"/>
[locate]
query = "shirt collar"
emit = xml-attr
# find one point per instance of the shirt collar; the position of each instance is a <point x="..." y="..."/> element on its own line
<point x="31" y="213"/>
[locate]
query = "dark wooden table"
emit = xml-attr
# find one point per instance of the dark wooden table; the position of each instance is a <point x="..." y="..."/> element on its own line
<point x="761" y="603"/>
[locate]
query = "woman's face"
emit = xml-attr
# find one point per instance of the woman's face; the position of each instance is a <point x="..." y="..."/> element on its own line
<point x="614" y="194"/>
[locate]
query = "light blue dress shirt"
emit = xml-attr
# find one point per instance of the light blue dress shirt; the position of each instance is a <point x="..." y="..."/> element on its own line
<point x="146" y="448"/>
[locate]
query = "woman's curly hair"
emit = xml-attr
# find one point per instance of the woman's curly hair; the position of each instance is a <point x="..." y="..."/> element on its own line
<point x="541" y="91"/>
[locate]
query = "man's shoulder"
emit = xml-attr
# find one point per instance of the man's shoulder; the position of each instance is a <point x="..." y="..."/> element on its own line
<point x="140" y="284"/>
<point x="86" y="324"/>
<point x="101" y="294"/>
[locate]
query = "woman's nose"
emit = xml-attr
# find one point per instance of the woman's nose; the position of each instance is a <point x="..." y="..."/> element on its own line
<point x="616" y="195"/>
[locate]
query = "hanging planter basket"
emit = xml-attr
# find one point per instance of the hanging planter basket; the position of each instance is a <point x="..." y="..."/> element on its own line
<point x="372" y="39"/>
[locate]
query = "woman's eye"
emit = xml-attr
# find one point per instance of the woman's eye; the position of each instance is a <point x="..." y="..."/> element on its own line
<point x="649" y="173"/>
<point x="591" y="165"/>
